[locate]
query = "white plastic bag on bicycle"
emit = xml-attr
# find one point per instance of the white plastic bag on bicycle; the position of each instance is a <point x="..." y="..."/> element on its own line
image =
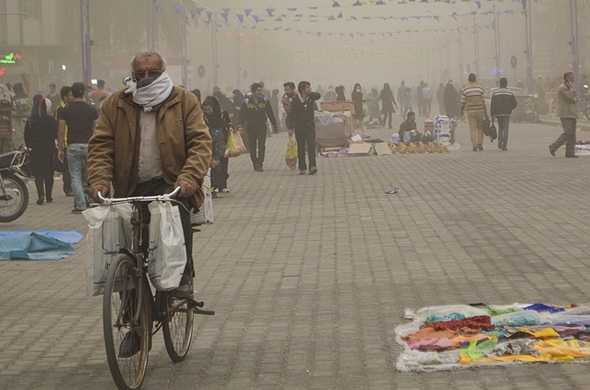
<point x="109" y="230"/>
<point x="167" y="249"/>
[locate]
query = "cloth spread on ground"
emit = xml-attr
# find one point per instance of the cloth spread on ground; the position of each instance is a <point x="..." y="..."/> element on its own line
<point x="43" y="245"/>
<point x="463" y="336"/>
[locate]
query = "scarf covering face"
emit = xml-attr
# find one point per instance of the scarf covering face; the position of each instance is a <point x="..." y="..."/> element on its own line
<point x="149" y="92"/>
<point x="39" y="108"/>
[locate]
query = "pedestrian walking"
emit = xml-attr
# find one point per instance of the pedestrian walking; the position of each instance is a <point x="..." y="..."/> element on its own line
<point x="302" y="114"/>
<point x="387" y="104"/>
<point x="452" y="101"/>
<point x="66" y="98"/>
<point x="473" y="103"/>
<point x="357" y="98"/>
<point x="40" y="136"/>
<point x="568" y="114"/>
<point x="426" y="93"/>
<point x="254" y="113"/>
<point x="219" y="127"/>
<point x="79" y="117"/>
<point x="374" y="111"/>
<point x="501" y="106"/>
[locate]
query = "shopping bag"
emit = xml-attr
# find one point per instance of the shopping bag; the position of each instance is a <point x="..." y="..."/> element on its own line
<point x="166" y="249"/>
<point x="485" y="127"/>
<point x="241" y="142"/>
<point x="205" y="213"/>
<point x="232" y="148"/>
<point x="109" y="231"/>
<point x="291" y="154"/>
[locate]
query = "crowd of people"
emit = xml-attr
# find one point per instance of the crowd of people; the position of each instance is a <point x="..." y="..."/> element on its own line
<point x="60" y="124"/>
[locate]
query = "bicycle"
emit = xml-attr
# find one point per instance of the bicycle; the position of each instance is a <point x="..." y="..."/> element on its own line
<point x="130" y="309"/>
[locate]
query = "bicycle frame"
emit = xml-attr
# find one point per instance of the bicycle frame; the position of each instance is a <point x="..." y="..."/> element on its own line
<point x="158" y="307"/>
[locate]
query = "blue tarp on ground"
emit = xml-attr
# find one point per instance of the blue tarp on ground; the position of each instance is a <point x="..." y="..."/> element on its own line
<point x="71" y="237"/>
<point x="36" y="246"/>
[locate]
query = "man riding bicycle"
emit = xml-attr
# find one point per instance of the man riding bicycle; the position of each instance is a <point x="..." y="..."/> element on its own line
<point x="150" y="138"/>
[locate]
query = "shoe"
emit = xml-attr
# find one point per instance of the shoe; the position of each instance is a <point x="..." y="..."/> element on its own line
<point x="213" y="195"/>
<point x="302" y="172"/>
<point x="225" y="190"/>
<point x="49" y="199"/>
<point x="504" y="149"/>
<point x="480" y="147"/>
<point x="475" y="148"/>
<point x="572" y="156"/>
<point x="183" y="291"/>
<point x="40" y="201"/>
<point x="259" y="169"/>
<point x="552" y="151"/>
<point x="77" y="211"/>
<point x="313" y="171"/>
<point x="130" y="345"/>
<point x="69" y="194"/>
<point x="499" y="145"/>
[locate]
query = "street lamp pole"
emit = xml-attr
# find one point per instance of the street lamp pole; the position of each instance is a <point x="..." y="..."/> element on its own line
<point x="86" y="42"/>
<point x="575" y="46"/>
<point x="150" y="4"/>
<point x="529" y="47"/>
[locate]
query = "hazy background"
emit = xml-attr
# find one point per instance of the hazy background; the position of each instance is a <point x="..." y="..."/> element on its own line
<point x="276" y="41"/>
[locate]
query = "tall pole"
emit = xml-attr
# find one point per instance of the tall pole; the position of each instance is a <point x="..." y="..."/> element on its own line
<point x="497" y="44"/>
<point x="476" y="43"/>
<point x="150" y="24"/>
<point x="575" y="46"/>
<point x="448" y="55"/>
<point x="461" y="72"/>
<point x="184" y="59"/>
<point x="85" y="39"/>
<point x="530" y="85"/>
<point x="238" y="60"/>
<point x="214" y="48"/>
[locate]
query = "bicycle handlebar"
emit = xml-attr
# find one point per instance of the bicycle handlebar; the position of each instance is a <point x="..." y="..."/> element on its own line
<point x="109" y="201"/>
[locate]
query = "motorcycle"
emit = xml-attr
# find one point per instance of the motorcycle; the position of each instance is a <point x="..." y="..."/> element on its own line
<point x="525" y="110"/>
<point x="14" y="194"/>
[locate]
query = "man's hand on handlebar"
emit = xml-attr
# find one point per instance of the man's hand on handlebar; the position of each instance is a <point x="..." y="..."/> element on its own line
<point x="104" y="191"/>
<point x="186" y="189"/>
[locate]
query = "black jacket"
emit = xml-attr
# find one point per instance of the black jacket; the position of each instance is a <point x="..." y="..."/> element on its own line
<point x="503" y="102"/>
<point x="255" y="114"/>
<point x="302" y="112"/>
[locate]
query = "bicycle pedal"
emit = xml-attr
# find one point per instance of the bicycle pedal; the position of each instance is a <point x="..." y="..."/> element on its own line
<point x="204" y="312"/>
<point x="196" y="304"/>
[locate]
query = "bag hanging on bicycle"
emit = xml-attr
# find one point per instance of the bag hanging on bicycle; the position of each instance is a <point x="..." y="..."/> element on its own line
<point x="109" y="230"/>
<point x="167" y="249"/>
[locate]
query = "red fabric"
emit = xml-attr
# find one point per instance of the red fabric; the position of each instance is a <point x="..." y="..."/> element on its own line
<point x="478" y="322"/>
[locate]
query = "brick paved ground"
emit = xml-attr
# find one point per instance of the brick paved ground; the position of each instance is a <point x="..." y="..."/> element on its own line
<point x="310" y="275"/>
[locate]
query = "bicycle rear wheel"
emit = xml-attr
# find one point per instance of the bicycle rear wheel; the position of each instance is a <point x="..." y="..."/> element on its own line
<point x="177" y="327"/>
<point x="126" y="339"/>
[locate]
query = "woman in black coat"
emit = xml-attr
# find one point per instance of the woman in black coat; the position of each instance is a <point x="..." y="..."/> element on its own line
<point x="357" y="98"/>
<point x="219" y="127"/>
<point x="40" y="136"/>
<point x="387" y="103"/>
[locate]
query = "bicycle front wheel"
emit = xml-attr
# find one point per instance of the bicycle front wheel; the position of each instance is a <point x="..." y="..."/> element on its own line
<point x="177" y="327"/>
<point x="126" y="325"/>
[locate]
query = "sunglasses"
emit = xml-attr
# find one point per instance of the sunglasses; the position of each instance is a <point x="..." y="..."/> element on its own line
<point x="142" y="74"/>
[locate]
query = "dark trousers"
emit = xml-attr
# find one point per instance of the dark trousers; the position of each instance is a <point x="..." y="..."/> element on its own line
<point x="44" y="186"/>
<point x="257" y="144"/>
<point x="503" y="127"/>
<point x="67" y="178"/>
<point x="305" y="137"/>
<point x="426" y="107"/>
<point x="568" y="137"/>
<point x="160" y="187"/>
<point x="387" y="115"/>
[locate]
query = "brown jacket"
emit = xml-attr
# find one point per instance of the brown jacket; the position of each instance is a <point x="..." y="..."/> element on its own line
<point x="185" y="143"/>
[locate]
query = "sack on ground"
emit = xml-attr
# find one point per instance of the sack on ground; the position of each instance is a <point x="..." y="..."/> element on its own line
<point x="205" y="213"/>
<point x="109" y="230"/>
<point x="232" y="148"/>
<point x="291" y="154"/>
<point x="166" y="249"/>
